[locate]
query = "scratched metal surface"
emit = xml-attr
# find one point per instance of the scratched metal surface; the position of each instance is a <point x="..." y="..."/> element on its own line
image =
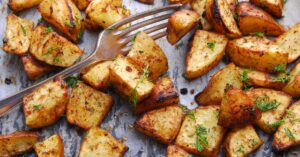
<point x="120" y="119"/>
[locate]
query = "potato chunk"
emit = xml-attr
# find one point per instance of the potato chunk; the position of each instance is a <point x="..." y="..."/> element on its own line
<point x="19" y="5"/>
<point x="179" y="1"/>
<point x="293" y="85"/>
<point x="51" y="147"/>
<point x="161" y="124"/>
<point x="202" y="119"/>
<point x="64" y="15"/>
<point x="17" y="143"/>
<point x="199" y="7"/>
<point x="53" y="49"/>
<point x="214" y="91"/>
<point x="45" y="105"/>
<point x="17" y="35"/>
<point x="180" y="23"/>
<point x="99" y="142"/>
<point x="257" y="53"/>
<point x="146" y="53"/>
<point x="176" y="151"/>
<point x="240" y="142"/>
<point x="206" y="52"/>
<point x="274" y="7"/>
<point x="250" y="16"/>
<point x="87" y="107"/>
<point x="82" y="4"/>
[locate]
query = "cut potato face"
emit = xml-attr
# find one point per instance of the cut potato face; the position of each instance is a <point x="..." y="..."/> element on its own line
<point x="45" y="105"/>
<point x="207" y="50"/>
<point x="176" y="151"/>
<point x="214" y="91"/>
<point x="202" y="119"/>
<point x="17" y="35"/>
<point x="218" y="13"/>
<point x="163" y="94"/>
<point x="51" y="147"/>
<point x="288" y="134"/>
<point x="145" y="53"/>
<point x="17" y="143"/>
<point x="274" y="7"/>
<point x="252" y="19"/>
<point x="180" y="23"/>
<point x="19" y="5"/>
<point x="99" y="142"/>
<point x="87" y="107"/>
<point x="257" y="53"/>
<point x="53" y="49"/>
<point x="199" y="7"/>
<point x="161" y="124"/>
<point x="240" y="142"/>
<point x="82" y="4"/>
<point x="293" y="85"/>
<point x="289" y="42"/>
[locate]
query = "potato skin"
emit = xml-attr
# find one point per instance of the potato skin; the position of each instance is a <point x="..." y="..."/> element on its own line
<point x="19" y="5"/>
<point x="199" y="7"/>
<point x="51" y="147"/>
<point x="293" y="85"/>
<point x="82" y="4"/>
<point x="176" y="151"/>
<point x="274" y="7"/>
<point x="250" y="15"/>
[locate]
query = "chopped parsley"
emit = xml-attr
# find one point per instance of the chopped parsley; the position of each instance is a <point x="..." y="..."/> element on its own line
<point x="211" y="45"/>
<point x="258" y="34"/>
<point x="37" y="107"/>
<point x="23" y="29"/>
<point x="284" y="1"/>
<point x="245" y="80"/>
<point x="133" y="38"/>
<point x="282" y="78"/>
<point x="253" y="142"/>
<point x="49" y="51"/>
<point x="112" y="28"/>
<point x="278" y="123"/>
<point x="184" y="108"/>
<point x="41" y="20"/>
<point x="191" y="114"/>
<point x="201" y="138"/>
<point x="289" y="134"/>
<point x="279" y="68"/>
<point x="80" y="34"/>
<point x="56" y="59"/>
<point x="235" y="16"/>
<point x="179" y="45"/>
<point x="72" y="81"/>
<point x="241" y="149"/>
<point x="70" y="23"/>
<point x="264" y="104"/>
<point x="49" y="29"/>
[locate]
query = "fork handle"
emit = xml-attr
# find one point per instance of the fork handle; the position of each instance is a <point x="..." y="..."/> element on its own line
<point x="12" y="101"/>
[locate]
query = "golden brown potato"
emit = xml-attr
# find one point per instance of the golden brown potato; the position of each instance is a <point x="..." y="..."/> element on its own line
<point x="163" y="94"/>
<point x="180" y="23"/>
<point x="199" y="7"/>
<point x="289" y="42"/>
<point x="201" y="123"/>
<point x="51" y="147"/>
<point x="218" y="13"/>
<point x="99" y="142"/>
<point x="53" y="49"/>
<point x="104" y="13"/>
<point x="176" y="151"/>
<point x="237" y="109"/>
<point x="19" y="5"/>
<point x="17" y="35"/>
<point x="179" y="1"/>
<point x="146" y="1"/>
<point x="240" y="142"/>
<point x="64" y="15"/>
<point x="17" y="143"/>
<point x="232" y="4"/>
<point x="207" y="50"/>
<point x="274" y="7"/>
<point x="293" y="85"/>
<point x="162" y="124"/>
<point x="82" y="4"/>
<point x="276" y="101"/>
<point x="252" y="19"/>
<point x="256" y="52"/>
<point x="214" y="91"/>
<point x="145" y="53"/>
<point x="288" y="134"/>
<point x="87" y="107"/>
<point x="46" y="104"/>
<point x="34" y="68"/>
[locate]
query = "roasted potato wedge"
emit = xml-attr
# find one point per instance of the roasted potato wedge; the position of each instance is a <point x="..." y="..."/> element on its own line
<point x="34" y="68"/>
<point x="274" y="7"/>
<point x="232" y="4"/>
<point x="199" y="7"/>
<point x="82" y="4"/>
<point x="45" y="105"/>
<point x="207" y="50"/>
<point x="87" y="107"/>
<point x="176" y="151"/>
<point x="257" y="53"/>
<point x="51" y="147"/>
<point x="237" y="109"/>
<point x="265" y="98"/>
<point x="293" y="85"/>
<point x="64" y="15"/>
<point x="163" y="94"/>
<point x="253" y="19"/>
<point x="218" y="13"/>
<point x="17" y="143"/>
<point x="162" y="124"/>
<point x="179" y="1"/>
<point x="214" y="91"/>
<point x="289" y="42"/>
<point x="99" y="142"/>
<point x="19" y="5"/>
<point x="201" y="118"/>
<point x="240" y="142"/>
<point x="104" y="13"/>
<point x="288" y="134"/>
<point x="98" y="75"/>
<point x="53" y="49"/>
<point x="17" y="35"/>
<point x="128" y="81"/>
<point x="146" y="1"/>
<point x="145" y="53"/>
<point x="180" y="23"/>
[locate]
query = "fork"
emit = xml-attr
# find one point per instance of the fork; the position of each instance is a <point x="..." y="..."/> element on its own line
<point x="111" y="42"/>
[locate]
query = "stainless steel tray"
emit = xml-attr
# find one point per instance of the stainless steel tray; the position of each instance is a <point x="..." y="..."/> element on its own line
<point x="119" y="121"/>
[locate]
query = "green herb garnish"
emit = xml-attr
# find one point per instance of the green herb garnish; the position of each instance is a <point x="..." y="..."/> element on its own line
<point x="70" y="23"/>
<point x="179" y="45"/>
<point x="23" y="29"/>
<point x="241" y="149"/>
<point x="184" y="108"/>
<point x="235" y="16"/>
<point x="80" y="34"/>
<point x="191" y="114"/>
<point x="72" y="81"/>
<point x="112" y="28"/>
<point x="245" y="80"/>
<point x="278" y="123"/>
<point x="211" y="45"/>
<point x="201" y="138"/>
<point x="283" y="78"/>
<point x="289" y="134"/>
<point x="253" y="142"/>
<point x="41" y="20"/>
<point x="258" y="34"/>
<point x="264" y="104"/>
<point x="49" y="51"/>
<point x="56" y="59"/>
<point x="37" y="107"/>
<point x="49" y="29"/>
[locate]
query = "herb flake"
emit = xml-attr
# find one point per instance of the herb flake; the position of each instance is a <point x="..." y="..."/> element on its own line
<point x="49" y="29"/>
<point x="289" y="134"/>
<point x="133" y="94"/>
<point x="264" y="103"/>
<point x="23" y="30"/>
<point x="211" y="45"/>
<point x="201" y="138"/>
<point x="37" y="107"/>
<point x="258" y="34"/>
<point x="278" y="123"/>
<point x="72" y="81"/>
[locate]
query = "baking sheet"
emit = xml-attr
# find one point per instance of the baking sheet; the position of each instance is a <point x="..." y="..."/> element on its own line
<point x="119" y="120"/>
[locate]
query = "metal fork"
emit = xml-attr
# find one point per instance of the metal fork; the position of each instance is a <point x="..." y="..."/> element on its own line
<point x="111" y="42"/>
